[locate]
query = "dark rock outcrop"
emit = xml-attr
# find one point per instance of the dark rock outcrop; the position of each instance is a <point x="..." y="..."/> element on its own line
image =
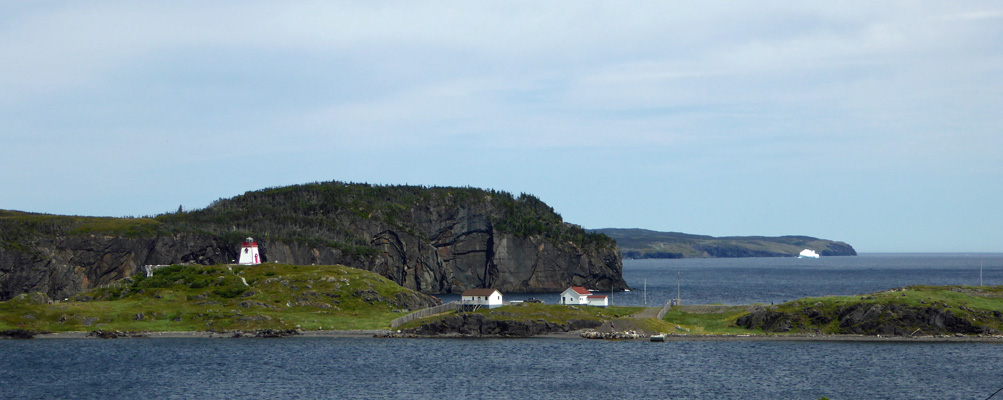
<point x="872" y="319"/>
<point x="17" y="334"/>
<point x="63" y="266"/>
<point x="104" y="334"/>
<point x="265" y="333"/>
<point x="467" y="324"/>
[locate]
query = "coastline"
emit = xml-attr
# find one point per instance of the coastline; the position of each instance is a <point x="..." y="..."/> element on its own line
<point x="205" y="334"/>
<point x="387" y="334"/>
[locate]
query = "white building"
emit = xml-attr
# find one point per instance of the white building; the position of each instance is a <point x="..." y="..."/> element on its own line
<point x="578" y="295"/>
<point x="482" y="297"/>
<point x="575" y="295"/>
<point x="249" y="253"/>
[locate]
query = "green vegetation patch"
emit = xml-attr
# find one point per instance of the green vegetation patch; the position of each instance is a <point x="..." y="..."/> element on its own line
<point x="909" y="310"/>
<point x="952" y="297"/>
<point x="215" y="298"/>
<point x="705" y="320"/>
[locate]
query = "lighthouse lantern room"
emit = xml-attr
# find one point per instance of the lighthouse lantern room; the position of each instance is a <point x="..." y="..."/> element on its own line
<point x="249" y="252"/>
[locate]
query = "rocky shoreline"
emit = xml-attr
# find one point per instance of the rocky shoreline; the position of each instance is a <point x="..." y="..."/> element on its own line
<point x="577" y="334"/>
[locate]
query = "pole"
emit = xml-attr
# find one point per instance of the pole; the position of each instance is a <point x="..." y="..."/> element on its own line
<point x="980" y="271"/>
<point x="678" y="277"/>
<point x="645" y="292"/>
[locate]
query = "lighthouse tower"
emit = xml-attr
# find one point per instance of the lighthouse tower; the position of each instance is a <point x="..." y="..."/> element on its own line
<point x="249" y="252"/>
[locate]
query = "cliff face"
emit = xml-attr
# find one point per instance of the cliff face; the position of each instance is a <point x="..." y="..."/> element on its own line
<point x="63" y="266"/>
<point x="437" y="240"/>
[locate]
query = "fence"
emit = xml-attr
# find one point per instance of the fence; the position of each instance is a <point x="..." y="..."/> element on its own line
<point x="451" y="306"/>
<point x="665" y="309"/>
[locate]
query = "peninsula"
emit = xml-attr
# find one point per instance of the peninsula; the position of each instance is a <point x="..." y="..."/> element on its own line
<point x="643" y="243"/>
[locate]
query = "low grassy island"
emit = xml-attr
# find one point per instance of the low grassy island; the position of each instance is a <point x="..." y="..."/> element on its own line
<point x="914" y="311"/>
<point x="909" y="311"/>
<point x="266" y="297"/>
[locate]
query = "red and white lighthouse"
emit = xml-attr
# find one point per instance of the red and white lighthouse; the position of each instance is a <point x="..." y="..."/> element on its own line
<point x="249" y="252"/>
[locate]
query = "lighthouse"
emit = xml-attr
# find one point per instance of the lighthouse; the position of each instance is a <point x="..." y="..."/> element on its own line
<point x="249" y="252"/>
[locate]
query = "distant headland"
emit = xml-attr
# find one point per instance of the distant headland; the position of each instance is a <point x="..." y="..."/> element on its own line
<point x="643" y="243"/>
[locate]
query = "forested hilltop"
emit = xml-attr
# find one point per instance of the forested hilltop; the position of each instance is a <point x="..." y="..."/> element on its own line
<point x="642" y="243"/>
<point x="430" y="239"/>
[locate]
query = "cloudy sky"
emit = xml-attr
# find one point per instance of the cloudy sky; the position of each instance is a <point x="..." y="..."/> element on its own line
<point x="875" y="123"/>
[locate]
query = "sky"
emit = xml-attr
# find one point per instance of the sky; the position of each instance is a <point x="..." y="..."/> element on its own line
<point x="874" y="123"/>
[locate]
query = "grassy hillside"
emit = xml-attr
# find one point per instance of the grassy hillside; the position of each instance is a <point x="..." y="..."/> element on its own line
<point x="911" y="310"/>
<point x="643" y="243"/>
<point x="707" y="320"/>
<point x="198" y="298"/>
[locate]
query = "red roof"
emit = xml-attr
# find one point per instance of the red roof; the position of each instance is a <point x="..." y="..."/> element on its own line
<point x="580" y="290"/>
<point x="597" y="296"/>
<point x="479" y="292"/>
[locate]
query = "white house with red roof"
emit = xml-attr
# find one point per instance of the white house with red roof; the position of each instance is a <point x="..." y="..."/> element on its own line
<point x="578" y="295"/>
<point x="482" y="297"/>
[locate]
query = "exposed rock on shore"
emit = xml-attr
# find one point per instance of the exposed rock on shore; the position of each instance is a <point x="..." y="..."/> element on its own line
<point x="17" y="334"/>
<point x="479" y="325"/>
<point x="620" y="335"/>
<point x="873" y="319"/>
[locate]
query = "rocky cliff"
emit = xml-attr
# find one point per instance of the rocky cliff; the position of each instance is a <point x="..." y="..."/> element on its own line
<point x="434" y="240"/>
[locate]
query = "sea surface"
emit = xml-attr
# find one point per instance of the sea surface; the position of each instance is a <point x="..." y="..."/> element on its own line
<point x="545" y="368"/>
<point x="764" y="280"/>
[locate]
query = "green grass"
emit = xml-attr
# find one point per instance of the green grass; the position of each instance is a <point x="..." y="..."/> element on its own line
<point x="77" y="225"/>
<point x="976" y="297"/>
<point x="700" y="320"/>
<point x="974" y="303"/>
<point x="971" y="302"/>
<point x="198" y="298"/>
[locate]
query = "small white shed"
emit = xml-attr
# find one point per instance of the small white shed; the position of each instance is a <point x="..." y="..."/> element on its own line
<point x="598" y="300"/>
<point x="482" y="297"/>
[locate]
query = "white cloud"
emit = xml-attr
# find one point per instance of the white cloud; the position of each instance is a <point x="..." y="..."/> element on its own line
<point x="859" y="86"/>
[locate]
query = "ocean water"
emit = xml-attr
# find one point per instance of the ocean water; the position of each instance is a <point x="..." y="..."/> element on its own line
<point x="371" y="368"/>
<point x="766" y="280"/>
